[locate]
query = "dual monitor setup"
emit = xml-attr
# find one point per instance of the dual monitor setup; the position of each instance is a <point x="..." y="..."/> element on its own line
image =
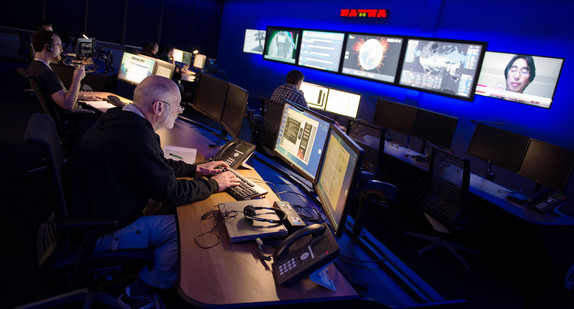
<point x="323" y="154"/>
<point x="331" y="100"/>
<point x="135" y="67"/>
<point x="548" y="165"/>
<point x="448" y="67"/>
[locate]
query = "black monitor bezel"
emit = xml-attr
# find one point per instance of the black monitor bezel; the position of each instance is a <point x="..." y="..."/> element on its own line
<point x="339" y="64"/>
<point x="339" y="226"/>
<point x="201" y="107"/>
<point x="567" y="171"/>
<point x="422" y="133"/>
<point x="405" y="107"/>
<point x="232" y="119"/>
<point x="456" y="41"/>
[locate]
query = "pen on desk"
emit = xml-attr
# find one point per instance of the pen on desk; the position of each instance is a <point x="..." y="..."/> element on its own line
<point x="174" y="155"/>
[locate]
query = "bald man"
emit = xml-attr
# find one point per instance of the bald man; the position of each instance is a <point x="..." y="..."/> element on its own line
<point x="118" y="167"/>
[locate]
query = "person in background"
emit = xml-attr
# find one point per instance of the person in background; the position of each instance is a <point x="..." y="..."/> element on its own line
<point x="519" y="73"/>
<point x="151" y="50"/>
<point x="118" y="169"/>
<point x="291" y="90"/>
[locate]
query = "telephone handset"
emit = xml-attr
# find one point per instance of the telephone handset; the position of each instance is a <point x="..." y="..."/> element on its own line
<point x="234" y="152"/>
<point x="303" y="252"/>
<point x="546" y="199"/>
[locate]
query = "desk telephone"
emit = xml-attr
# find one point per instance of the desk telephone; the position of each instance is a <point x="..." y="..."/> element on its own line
<point x="303" y="252"/>
<point x="234" y="152"/>
<point x="546" y="200"/>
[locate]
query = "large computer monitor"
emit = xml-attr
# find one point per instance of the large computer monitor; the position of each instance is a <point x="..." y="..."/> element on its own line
<point x="282" y="44"/>
<point x="501" y="147"/>
<point x="134" y="68"/>
<point x="164" y="69"/>
<point x="85" y="48"/>
<point x="210" y="96"/>
<point x="549" y="165"/>
<point x="444" y="67"/>
<point x="395" y="116"/>
<point x="321" y="50"/>
<point x="519" y="78"/>
<point x="343" y="103"/>
<point x="182" y="56"/>
<point x="234" y="110"/>
<point x="373" y="57"/>
<point x="315" y="95"/>
<point x="337" y="178"/>
<point x="301" y="139"/>
<point x="434" y="127"/>
<point x="253" y="42"/>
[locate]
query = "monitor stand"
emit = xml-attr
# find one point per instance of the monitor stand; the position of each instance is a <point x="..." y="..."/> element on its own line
<point x="489" y="173"/>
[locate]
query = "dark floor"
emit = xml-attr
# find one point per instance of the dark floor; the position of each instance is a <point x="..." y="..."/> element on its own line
<point x="489" y="284"/>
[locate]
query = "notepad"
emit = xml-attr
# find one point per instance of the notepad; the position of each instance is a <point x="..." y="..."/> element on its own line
<point x="185" y="154"/>
<point x="101" y="105"/>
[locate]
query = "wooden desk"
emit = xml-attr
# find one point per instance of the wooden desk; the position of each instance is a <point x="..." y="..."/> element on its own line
<point x="232" y="274"/>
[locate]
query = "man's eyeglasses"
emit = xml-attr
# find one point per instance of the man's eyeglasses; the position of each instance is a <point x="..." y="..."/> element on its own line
<point x="179" y="107"/>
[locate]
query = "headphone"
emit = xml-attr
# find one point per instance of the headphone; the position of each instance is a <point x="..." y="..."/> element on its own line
<point x="250" y="214"/>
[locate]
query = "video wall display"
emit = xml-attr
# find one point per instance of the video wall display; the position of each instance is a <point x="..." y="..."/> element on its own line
<point x="282" y="44"/>
<point x="448" y="68"/>
<point x="520" y="78"/>
<point x="372" y="57"/>
<point x="321" y="50"/>
<point x="253" y="42"/>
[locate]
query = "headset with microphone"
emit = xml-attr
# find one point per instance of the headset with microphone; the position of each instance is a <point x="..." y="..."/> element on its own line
<point x="250" y="214"/>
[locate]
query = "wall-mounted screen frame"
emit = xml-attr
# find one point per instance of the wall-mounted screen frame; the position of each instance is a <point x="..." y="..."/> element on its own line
<point x="321" y="50"/>
<point x="254" y="41"/>
<point x="282" y="44"/>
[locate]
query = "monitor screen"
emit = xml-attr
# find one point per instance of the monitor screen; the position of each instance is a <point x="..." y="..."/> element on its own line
<point x="395" y="116"/>
<point x="315" y="95"/>
<point x="321" y="50"/>
<point x="253" y="42"/>
<point x="343" y="103"/>
<point x="434" y="127"/>
<point x="199" y="61"/>
<point x="182" y="56"/>
<point x="210" y="96"/>
<point x="164" y="69"/>
<point x="372" y="57"/>
<point x="301" y="140"/>
<point x="134" y="68"/>
<point x="448" y="68"/>
<point x="498" y="146"/>
<point x="85" y="48"/>
<point x="234" y="111"/>
<point x="337" y="177"/>
<point x="525" y="79"/>
<point x="282" y="44"/>
<point x="547" y="164"/>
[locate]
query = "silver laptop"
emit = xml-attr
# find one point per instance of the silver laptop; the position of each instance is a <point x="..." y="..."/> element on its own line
<point x="241" y="229"/>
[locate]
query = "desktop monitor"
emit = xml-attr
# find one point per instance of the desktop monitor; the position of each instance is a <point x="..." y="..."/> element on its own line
<point x="199" y="61"/>
<point x="444" y="67"/>
<point x="315" y="95"/>
<point x="234" y="111"/>
<point x="301" y="139"/>
<point x="395" y="116"/>
<point x="549" y="165"/>
<point x="85" y="48"/>
<point x="434" y="127"/>
<point x="373" y="57"/>
<point x="134" y="68"/>
<point x="253" y="42"/>
<point x="321" y="50"/>
<point x="210" y="96"/>
<point x="182" y="56"/>
<point x="337" y="178"/>
<point x="498" y="146"/>
<point x="343" y="103"/>
<point x="282" y="44"/>
<point x="524" y="79"/>
<point x="164" y="69"/>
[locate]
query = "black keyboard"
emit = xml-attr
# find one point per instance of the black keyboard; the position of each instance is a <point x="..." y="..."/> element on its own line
<point x="246" y="190"/>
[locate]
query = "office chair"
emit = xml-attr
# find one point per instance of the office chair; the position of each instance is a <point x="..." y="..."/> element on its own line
<point x="69" y="124"/>
<point x="372" y="139"/>
<point x="445" y="203"/>
<point x="272" y="113"/>
<point x="65" y="243"/>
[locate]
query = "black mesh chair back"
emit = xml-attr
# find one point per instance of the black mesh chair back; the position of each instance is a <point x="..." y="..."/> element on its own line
<point x="272" y="113"/>
<point x="48" y="106"/>
<point x="371" y="138"/>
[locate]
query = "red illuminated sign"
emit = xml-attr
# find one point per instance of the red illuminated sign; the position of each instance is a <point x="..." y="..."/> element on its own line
<point x="364" y="13"/>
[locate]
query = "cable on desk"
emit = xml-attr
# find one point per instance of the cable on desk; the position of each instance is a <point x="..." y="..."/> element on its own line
<point x="209" y="215"/>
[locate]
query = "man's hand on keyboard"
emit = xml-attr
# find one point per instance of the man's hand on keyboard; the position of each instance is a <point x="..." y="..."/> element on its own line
<point x="226" y="180"/>
<point x="210" y="168"/>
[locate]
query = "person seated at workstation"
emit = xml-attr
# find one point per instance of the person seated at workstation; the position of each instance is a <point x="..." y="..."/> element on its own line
<point x="291" y="90"/>
<point x="167" y="56"/>
<point x="118" y="167"/>
<point x="151" y="49"/>
<point x="48" y="49"/>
